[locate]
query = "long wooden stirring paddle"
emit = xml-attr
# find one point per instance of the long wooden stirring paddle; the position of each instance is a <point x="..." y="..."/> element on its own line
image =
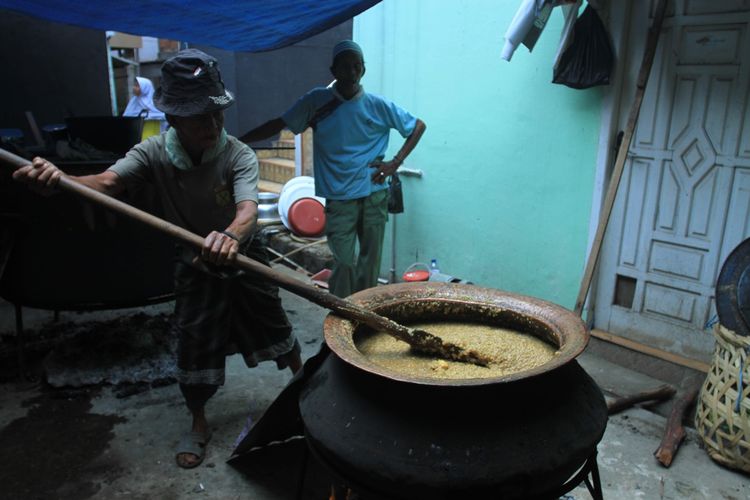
<point x="419" y="340"/>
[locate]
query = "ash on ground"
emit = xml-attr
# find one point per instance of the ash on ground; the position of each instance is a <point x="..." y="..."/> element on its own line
<point x="135" y="349"/>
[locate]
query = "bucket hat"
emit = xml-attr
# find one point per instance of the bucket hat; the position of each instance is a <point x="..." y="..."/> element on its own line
<point x="191" y="85"/>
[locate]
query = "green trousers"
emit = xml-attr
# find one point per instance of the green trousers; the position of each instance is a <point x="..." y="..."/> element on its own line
<point x="352" y="223"/>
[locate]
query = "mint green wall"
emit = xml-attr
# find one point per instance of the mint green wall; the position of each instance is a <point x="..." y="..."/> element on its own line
<point x="508" y="157"/>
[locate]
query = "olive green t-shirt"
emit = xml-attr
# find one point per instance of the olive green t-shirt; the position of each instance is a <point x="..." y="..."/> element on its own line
<point x="202" y="198"/>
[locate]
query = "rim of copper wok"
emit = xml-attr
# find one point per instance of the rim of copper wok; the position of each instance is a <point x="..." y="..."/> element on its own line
<point x="568" y="328"/>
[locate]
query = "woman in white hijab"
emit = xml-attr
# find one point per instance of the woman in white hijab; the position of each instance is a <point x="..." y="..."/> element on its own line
<point x="143" y="100"/>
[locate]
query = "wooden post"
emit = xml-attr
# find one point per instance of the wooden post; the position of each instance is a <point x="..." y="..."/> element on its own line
<point x="622" y="153"/>
<point x="307" y="152"/>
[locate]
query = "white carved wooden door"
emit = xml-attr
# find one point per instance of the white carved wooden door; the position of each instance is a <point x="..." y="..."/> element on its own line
<point x="684" y="199"/>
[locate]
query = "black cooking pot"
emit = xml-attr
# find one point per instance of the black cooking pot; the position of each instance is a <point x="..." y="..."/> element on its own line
<point x="116" y="134"/>
<point x="520" y="436"/>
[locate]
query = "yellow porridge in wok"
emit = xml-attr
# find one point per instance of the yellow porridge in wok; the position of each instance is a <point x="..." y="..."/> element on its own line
<point x="512" y="351"/>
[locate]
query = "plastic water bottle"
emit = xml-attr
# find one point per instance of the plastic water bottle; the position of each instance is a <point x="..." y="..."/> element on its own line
<point x="434" y="269"/>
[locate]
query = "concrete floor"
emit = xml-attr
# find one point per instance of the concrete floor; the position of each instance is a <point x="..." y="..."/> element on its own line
<point x="88" y="443"/>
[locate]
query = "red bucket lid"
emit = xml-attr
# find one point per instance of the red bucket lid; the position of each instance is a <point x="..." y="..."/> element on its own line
<point x="307" y="217"/>
<point x="418" y="275"/>
<point x="417" y="272"/>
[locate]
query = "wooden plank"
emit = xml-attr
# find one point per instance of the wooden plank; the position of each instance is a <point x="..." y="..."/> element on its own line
<point x="622" y="154"/>
<point x="651" y="351"/>
<point x="125" y="41"/>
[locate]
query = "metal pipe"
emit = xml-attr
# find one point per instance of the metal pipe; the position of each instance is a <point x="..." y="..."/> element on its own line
<point x="392" y="273"/>
<point x="409" y="172"/>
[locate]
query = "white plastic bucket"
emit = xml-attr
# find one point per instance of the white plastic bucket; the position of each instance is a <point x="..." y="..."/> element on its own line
<point x="299" y="187"/>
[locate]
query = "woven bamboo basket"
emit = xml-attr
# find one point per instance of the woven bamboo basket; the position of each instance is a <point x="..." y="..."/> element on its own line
<point x="722" y="416"/>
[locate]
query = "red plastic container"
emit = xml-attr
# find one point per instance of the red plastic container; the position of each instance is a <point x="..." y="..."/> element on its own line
<point x="307" y="217"/>
<point x="417" y="272"/>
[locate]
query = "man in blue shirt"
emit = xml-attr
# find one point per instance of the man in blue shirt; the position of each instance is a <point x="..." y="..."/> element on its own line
<point x="351" y="131"/>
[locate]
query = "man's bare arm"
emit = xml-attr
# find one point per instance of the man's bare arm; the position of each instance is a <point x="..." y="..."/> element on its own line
<point x="268" y="129"/>
<point x="385" y="168"/>
<point x="221" y="247"/>
<point x="43" y="176"/>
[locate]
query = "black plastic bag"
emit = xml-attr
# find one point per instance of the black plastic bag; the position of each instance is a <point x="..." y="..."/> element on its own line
<point x="588" y="61"/>
<point x="395" y="195"/>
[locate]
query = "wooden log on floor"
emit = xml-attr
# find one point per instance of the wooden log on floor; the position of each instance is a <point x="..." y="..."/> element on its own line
<point x="674" y="432"/>
<point x="661" y="393"/>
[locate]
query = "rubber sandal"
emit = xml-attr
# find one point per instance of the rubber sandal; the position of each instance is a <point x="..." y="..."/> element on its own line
<point x="193" y="443"/>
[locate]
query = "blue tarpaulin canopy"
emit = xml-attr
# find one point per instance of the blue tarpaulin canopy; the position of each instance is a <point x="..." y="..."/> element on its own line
<point x="238" y="25"/>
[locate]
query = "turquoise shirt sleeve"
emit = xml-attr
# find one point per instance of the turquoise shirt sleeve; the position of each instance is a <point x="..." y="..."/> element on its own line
<point x="398" y="118"/>
<point x="299" y="115"/>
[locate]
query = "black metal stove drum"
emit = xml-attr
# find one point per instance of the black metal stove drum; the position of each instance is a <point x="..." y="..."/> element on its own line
<point x="527" y="435"/>
<point x="63" y="253"/>
<point x="68" y="254"/>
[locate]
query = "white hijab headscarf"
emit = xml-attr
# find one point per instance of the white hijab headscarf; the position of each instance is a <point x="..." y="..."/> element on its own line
<point x="145" y="101"/>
